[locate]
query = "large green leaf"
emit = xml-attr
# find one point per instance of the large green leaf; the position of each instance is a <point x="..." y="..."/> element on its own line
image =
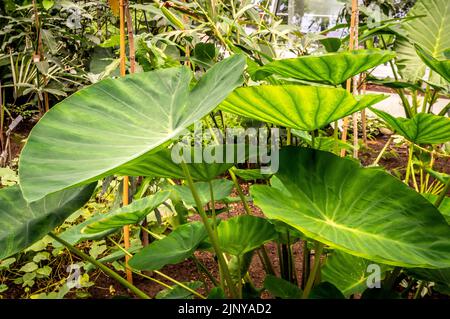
<point x="221" y="187"/>
<point x="99" y="129"/>
<point x="242" y="234"/>
<point x="348" y="273"/>
<point x="127" y="215"/>
<point x="442" y="67"/>
<point x="422" y="128"/>
<point x="161" y="163"/>
<point x="172" y="249"/>
<point x="430" y="32"/>
<point x="22" y="223"/>
<point x="332" y="68"/>
<point x="362" y="211"/>
<point x="301" y="107"/>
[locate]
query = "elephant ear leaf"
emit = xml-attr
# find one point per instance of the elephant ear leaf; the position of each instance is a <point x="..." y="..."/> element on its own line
<point x="110" y="124"/>
<point x="23" y="223"/>
<point x="361" y="211"/>
<point x="422" y="128"/>
<point x="332" y="68"/>
<point x="442" y="67"/>
<point x="172" y="249"/>
<point x="300" y="107"/>
<point x="350" y="273"/>
<point x="242" y="234"/>
<point x="127" y="215"/>
<point x="429" y="29"/>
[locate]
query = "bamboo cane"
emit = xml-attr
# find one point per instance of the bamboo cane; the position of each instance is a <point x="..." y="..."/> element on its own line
<point x="126" y="229"/>
<point x="351" y="45"/>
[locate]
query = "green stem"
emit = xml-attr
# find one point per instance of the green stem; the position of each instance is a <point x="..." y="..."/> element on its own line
<point x="205" y="270"/>
<point x="318" y="249"/>
<point x="213" y="205"/>
<point x="408" y="165"/>
<point x="383" y="150"/>
<point x="442" y="195"/>
<point x="101" y="266"/>
<point x="211" y="233"/>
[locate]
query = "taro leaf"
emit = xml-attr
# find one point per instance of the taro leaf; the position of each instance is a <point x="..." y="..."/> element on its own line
<point x="99" y="129"/>
<point x="127" y="215"/>
<point x="242" y="234"/>
<point x="332" y="68"/>
<point x="204" y="54"/>
<point x="161" y="164"/>
<point x="326" y="290"/>
<point x="304" y="108"/>
<point x="281" y="288"/>
<point x="250" y="174"/>
<point x="323" y="143"/>
<point x="177" y="292"/>
<point x="221" y="187"/>
<point x="429" y="31"/>
<point x="362" y="211"/>
<point x="216" y="293"/>
<point x="74" y="234"/>
<point x="172" y="249"/>
<point x="348" y="273"/>
<point x="440" y="66"/>
<point x="331" y="44"/>
<point x="22" y="223"/>
<point x="422" y="128"/>
<point x="444" y="207"/>
<point x="239" y="265"/>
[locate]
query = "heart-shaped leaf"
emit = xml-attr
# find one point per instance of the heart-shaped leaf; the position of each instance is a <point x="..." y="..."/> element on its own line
<point x="172" y="249"/>
<point x="242" y="234"/>
<point x="362" y="211"/>
<point x="22" y="223"/>
<point x="422" y="128"/>
<point x="332" y="68"/>
<point x="127" y="215"/>
<point x="300" y="107"/>
<point x="430" y="31"/>
<point x="349" y="273"/>
<point x="100" y="128"/>
<point x="442" y="67"/>
<point x="221" y="187"/>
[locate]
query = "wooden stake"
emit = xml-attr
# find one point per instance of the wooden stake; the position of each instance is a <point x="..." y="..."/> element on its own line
<point x="351" y="46"/>
<point x="126" y="229"/>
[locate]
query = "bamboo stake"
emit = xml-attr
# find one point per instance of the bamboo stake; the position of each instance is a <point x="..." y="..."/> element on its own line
<point x="126" y="229"/>
<point x="351" y="46"/>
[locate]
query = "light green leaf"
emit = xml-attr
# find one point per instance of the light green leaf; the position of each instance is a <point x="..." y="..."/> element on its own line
<point x="29" y="267"/>
<point x="332" y="68"/>
<point x="442" y="67"/>
<point x="349" y="273"/>
<point x="222" y="188"/>
<point x="430" y="32"/>
<point x="172" y="249"/>
<point x="364" y="212"/>
<point x="99" y="129"/>
<point x="300" y="107"/>
<point x="177" y="292"/>
<point x="161" y="164"/>
<point x="127" y="215"/>
<point x="241" y="234"/>
<point x="22" y="223"/>
<point x="422" y="128"/>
